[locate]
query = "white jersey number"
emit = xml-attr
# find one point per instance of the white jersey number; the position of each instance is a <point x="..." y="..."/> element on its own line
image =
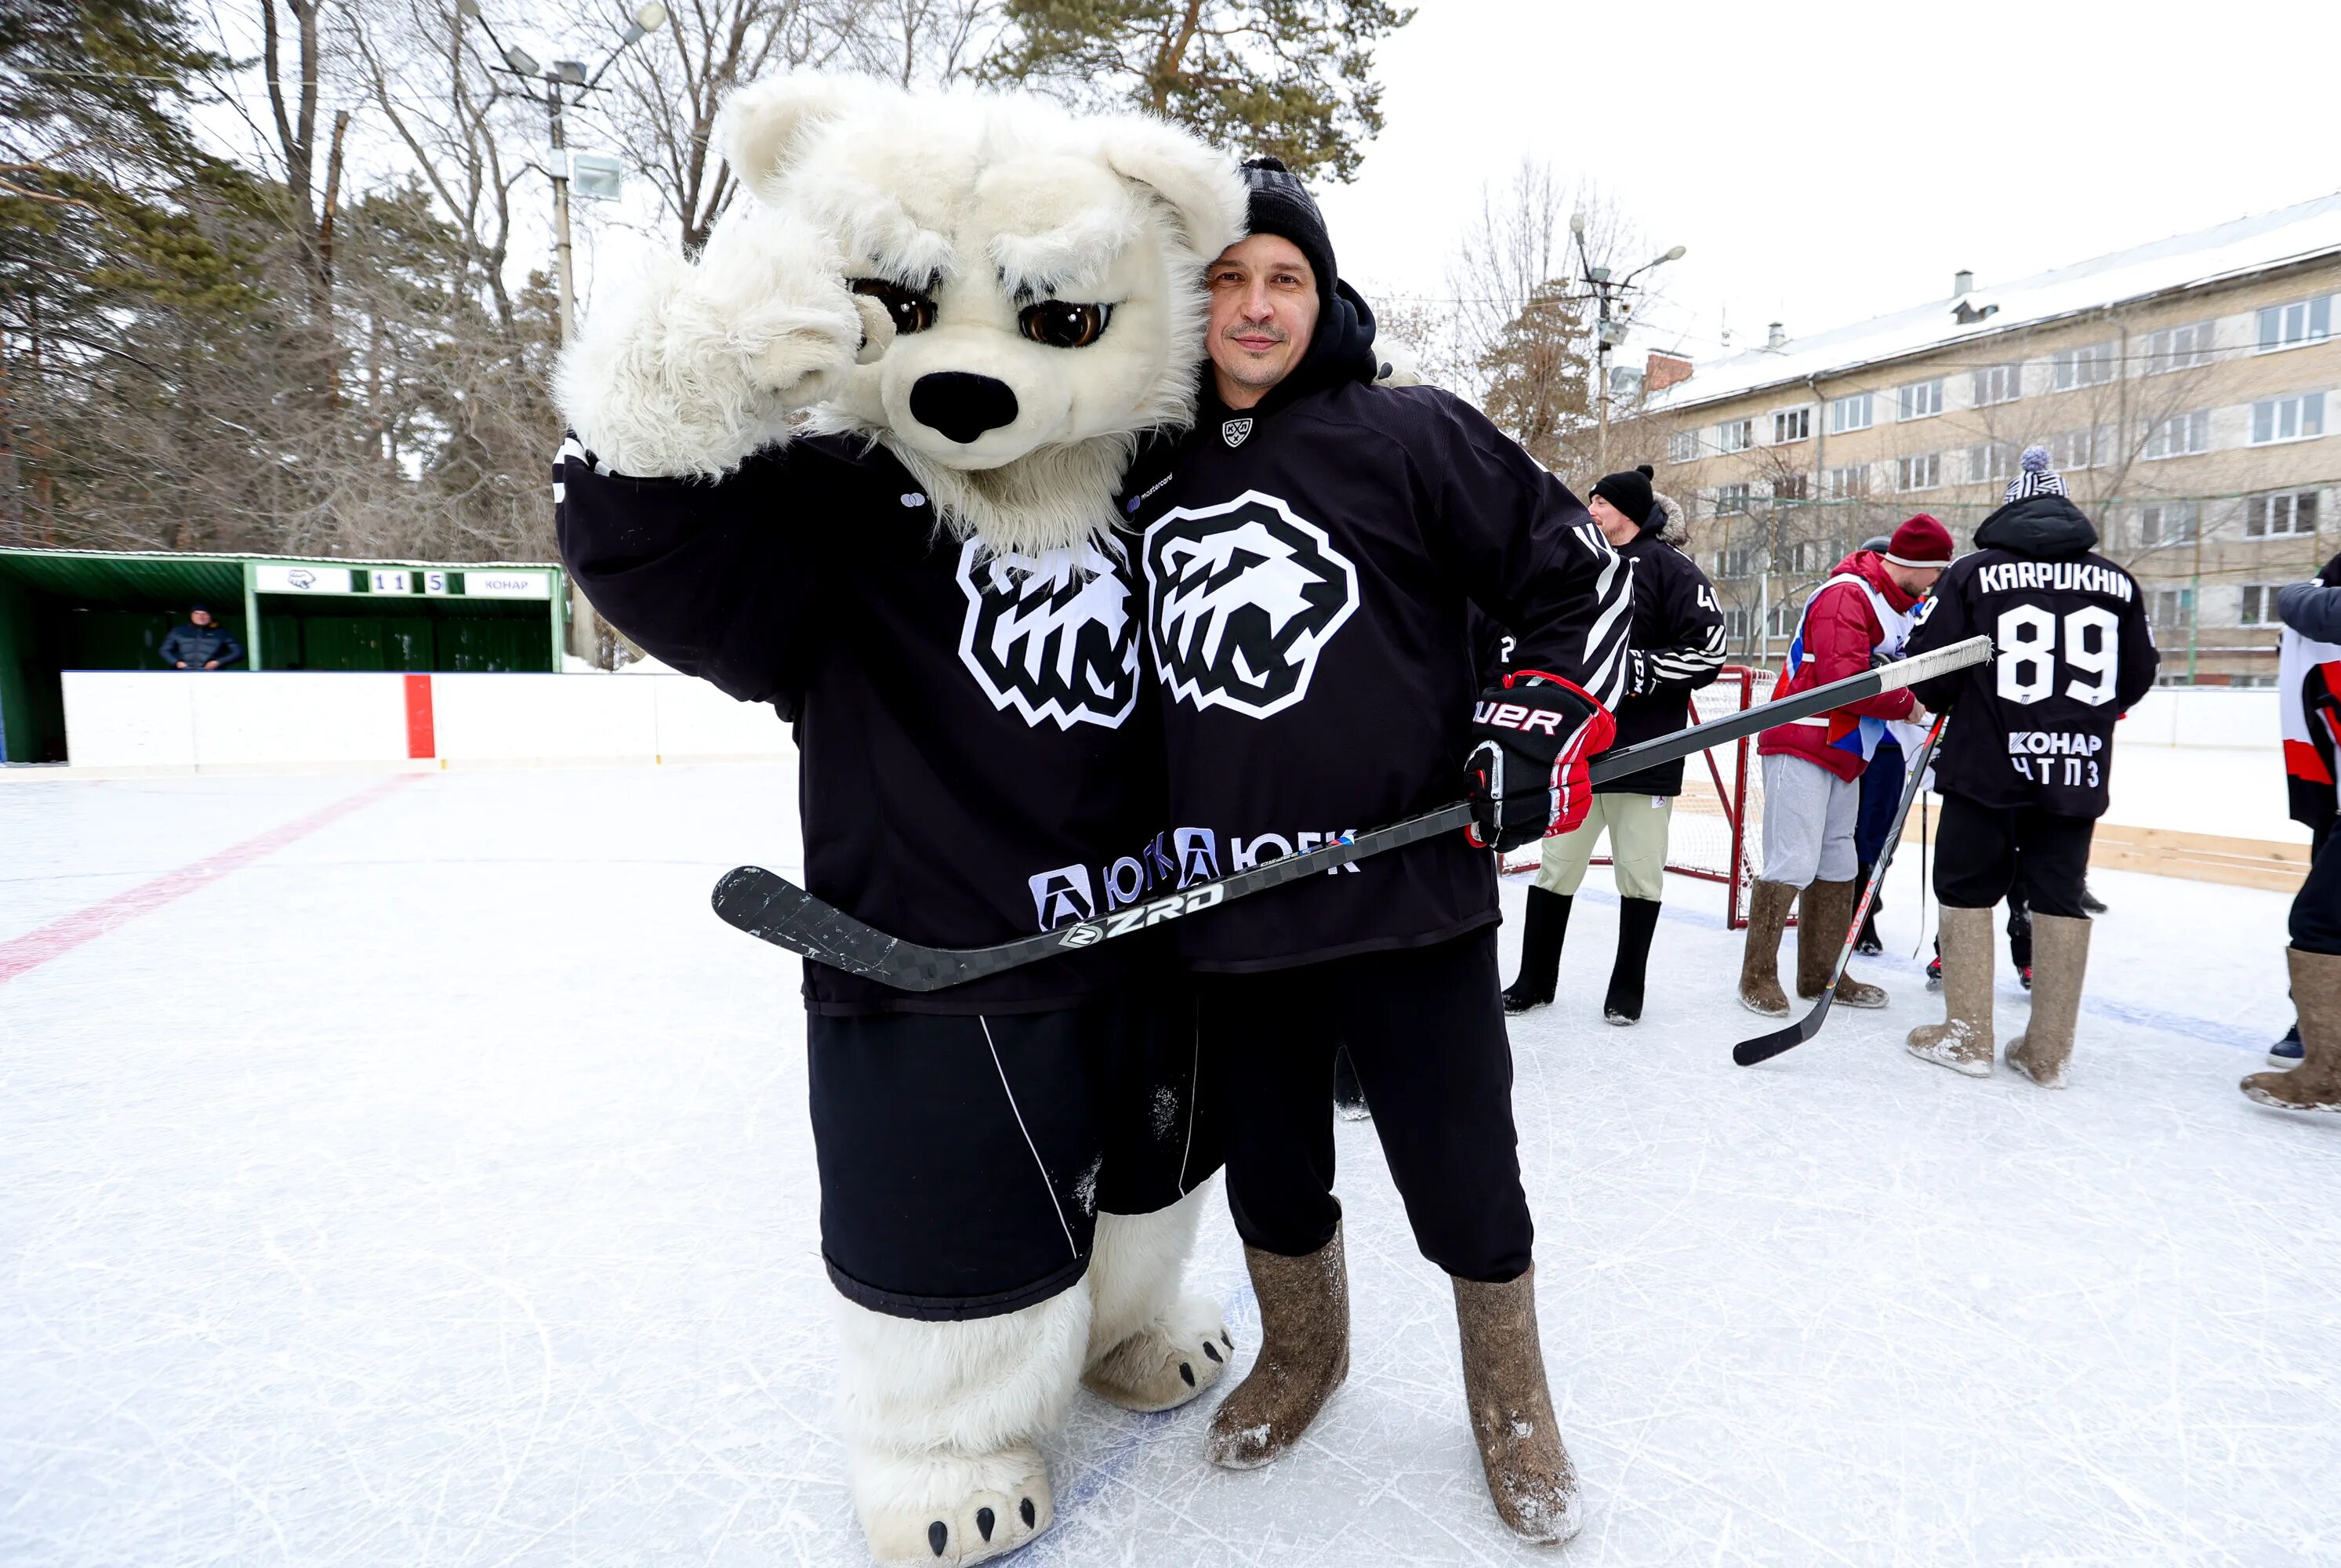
<point x="2027" y="655"/>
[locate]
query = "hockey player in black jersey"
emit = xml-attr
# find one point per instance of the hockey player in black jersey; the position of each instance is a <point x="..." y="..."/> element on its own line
<point x="1676" y="649"/>
<point x="1310" y="553"/>
<point x="2025" y="760"/>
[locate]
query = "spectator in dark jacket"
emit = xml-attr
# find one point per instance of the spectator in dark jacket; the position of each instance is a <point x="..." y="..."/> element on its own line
<point x="203" y="644"/>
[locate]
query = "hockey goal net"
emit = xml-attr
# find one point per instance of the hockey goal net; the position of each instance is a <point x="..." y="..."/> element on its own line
<point x="1716" y="834"/>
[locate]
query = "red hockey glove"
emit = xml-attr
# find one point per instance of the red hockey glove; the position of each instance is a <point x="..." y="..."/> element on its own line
<point x="1530" y="772"/>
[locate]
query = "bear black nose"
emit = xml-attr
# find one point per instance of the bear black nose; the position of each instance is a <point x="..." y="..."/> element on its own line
<point x="960" y="404"/>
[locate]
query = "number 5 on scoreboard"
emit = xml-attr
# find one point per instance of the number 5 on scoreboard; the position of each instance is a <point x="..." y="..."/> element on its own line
<point x="2026" y="639"/>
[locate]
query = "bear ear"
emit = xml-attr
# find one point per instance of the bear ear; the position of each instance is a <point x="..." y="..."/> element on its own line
<point x="761" y="127"/>
<point x="1199" y="184"/>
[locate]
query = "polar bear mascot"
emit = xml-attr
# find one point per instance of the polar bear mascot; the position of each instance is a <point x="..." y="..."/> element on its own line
<point x="860" y="459"/>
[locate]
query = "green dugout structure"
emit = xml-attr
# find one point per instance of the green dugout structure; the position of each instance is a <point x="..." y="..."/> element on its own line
<point x="90" y="610"/>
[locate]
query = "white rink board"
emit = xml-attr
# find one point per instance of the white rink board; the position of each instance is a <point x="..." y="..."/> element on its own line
<point x="359" y="1211"/>
<point x="169" y="722"/>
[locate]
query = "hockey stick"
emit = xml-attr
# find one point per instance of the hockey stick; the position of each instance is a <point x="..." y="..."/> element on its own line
<point x="1764" y="1047"/>
<point x="765" y="905"/>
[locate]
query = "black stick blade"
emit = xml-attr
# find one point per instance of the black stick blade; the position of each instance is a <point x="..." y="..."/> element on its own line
<point x="764" y="904"/>
<point x="1764" y="1047"/>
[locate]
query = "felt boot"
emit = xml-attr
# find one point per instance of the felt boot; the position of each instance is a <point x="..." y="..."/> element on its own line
<point x="1823" y="918"/>
<point x="1304" y="1354"/>
<point x="1769" y="904"/>
<point x="2060" y="957"/>
<point x="2316" y="1083"/>
<point x="1530" y="1477"/>
<point x="1543" y="925"/>
<point x="1963" y="1040"/>
<point x="1637" y="918"/>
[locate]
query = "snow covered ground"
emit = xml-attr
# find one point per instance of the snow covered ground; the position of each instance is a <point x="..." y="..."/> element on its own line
<point x="436" y="1190"/>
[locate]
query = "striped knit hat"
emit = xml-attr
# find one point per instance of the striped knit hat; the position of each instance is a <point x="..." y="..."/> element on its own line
<point x="2035" y="477"/>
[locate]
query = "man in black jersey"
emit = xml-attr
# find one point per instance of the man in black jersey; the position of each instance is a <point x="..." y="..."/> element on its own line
<point x="1310" y="553"/>
<point x="2025" y="760"/>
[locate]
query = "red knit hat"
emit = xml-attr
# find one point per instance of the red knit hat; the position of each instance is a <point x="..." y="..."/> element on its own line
<point x="1920" y="541"/>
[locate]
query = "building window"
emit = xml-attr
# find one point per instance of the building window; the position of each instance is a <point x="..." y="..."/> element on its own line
<point x="1682" y="446"/>
<point x="2079" y="449"/>
<point x="1792" y="487"/>
<point x="2169" y="522"/>
<point x="1783" y="621"/>
<point x="2259" y="606"/>
<point x="2172" y="608"/>
<point x="1791" y="424"/>
<point x="1811" y="556"/>
<point x="1991" y="463"/>
<point x="1922" y="473"/>
<point x="1735" y="436"/>
<point x="2177" y="348"/>
<point x="1919" y="400"/>
<point x="1850" y="414"/>
<point x="2181" y="435"/>
<point x="2090" y="366"/>
<point x="1998" y="384"/>
<point x="1845" y="484"/>
<point x="1735" y="562"/>
<point x="2298" y="418"/>
<point x="2280" y="516"/>
<point x="2290" y="326"/>
<point x="1735" y="623"/>
<point x="1731" y="498"/>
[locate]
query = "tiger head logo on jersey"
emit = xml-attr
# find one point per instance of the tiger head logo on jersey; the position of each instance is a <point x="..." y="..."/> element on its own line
<point x="1244" y="596"/>
<point x="1051" y="635"/>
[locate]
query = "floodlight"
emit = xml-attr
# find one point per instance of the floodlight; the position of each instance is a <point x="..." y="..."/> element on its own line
<point x="651" y="17"/>
<point x="571" y="72"/>
<point x="521" y="60"/>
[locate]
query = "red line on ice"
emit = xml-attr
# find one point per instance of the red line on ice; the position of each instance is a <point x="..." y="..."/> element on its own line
<point x="62" y="935"/>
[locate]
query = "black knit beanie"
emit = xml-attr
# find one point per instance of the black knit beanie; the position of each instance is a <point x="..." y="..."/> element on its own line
<point x="1281" y="206"/>
<point x="1629" y="492"/>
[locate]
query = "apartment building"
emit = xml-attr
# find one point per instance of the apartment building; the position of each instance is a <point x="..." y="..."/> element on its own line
<point x="2189" y="390"/>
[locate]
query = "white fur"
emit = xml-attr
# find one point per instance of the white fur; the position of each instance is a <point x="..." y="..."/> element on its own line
<point x="1135" y="1267"/>
<point x="991" y="202"/>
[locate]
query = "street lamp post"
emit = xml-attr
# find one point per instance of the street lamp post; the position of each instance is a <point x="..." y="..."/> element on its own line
<point x="558" y="82"/>
<point x="1612" y="329"/>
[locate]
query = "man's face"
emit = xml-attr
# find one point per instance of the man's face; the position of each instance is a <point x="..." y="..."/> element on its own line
<point x="200" y="617"/>
<point x="1615" y="525"/>
<point x="1263" y="310"/>
<point x="1916" y="581"/>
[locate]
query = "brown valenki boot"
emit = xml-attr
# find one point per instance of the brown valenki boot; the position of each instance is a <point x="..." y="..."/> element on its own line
<point x="2060" y="957"/>
<point x="1530" y="1477"/>
<point x="1769" y="904"/>
<point x="2316" y="1083"/>
<point x="1823" y="921"/>
<point x="1963" y="1040"/>
<point x="1304" y="1354"/>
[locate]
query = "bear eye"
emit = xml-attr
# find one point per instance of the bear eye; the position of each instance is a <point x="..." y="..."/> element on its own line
<point x="1062" y="325"/>
<point x="911" y="310"/>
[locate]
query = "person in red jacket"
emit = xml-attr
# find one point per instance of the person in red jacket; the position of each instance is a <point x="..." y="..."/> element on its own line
<point x="1812" y="768"/>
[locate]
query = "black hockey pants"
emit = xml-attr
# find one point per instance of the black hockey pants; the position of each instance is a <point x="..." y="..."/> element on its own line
<point x="2317" y="907"/>
<point x="1982" y="849"/>
<point x="1425" y="1031"/>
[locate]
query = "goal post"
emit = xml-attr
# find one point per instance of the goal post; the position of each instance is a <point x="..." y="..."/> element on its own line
<point x="1716" y="834"/>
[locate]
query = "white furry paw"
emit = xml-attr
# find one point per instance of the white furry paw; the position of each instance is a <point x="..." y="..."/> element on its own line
<point x="1166" y="1362"/>
<point x="951" y="1509"/>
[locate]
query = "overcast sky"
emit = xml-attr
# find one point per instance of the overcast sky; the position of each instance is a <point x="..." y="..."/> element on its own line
<point x="1825" y="161"/>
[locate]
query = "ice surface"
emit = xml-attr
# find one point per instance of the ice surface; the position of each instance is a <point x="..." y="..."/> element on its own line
<point x="436" y="1191"/>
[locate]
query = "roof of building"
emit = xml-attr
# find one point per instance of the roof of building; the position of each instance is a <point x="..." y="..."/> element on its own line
<point x="2225" y="251"/>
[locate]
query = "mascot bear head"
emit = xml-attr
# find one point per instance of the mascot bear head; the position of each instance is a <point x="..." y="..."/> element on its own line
<point x="1030" y="282"/>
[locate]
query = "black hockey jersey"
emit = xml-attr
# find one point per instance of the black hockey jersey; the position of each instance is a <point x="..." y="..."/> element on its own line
<point x="975" y="760"/>
<point x="2075" y="650"/>
<point x="1309" y="565"/>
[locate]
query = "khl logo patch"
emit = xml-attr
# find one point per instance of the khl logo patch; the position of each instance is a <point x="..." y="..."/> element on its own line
<point x="1233" y="430"/>
<point x="1243" y="597"/>
<point x="1054" y="637"/>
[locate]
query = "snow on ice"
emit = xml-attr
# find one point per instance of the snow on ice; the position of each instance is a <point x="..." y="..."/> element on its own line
<point x="436" y="1190"/>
